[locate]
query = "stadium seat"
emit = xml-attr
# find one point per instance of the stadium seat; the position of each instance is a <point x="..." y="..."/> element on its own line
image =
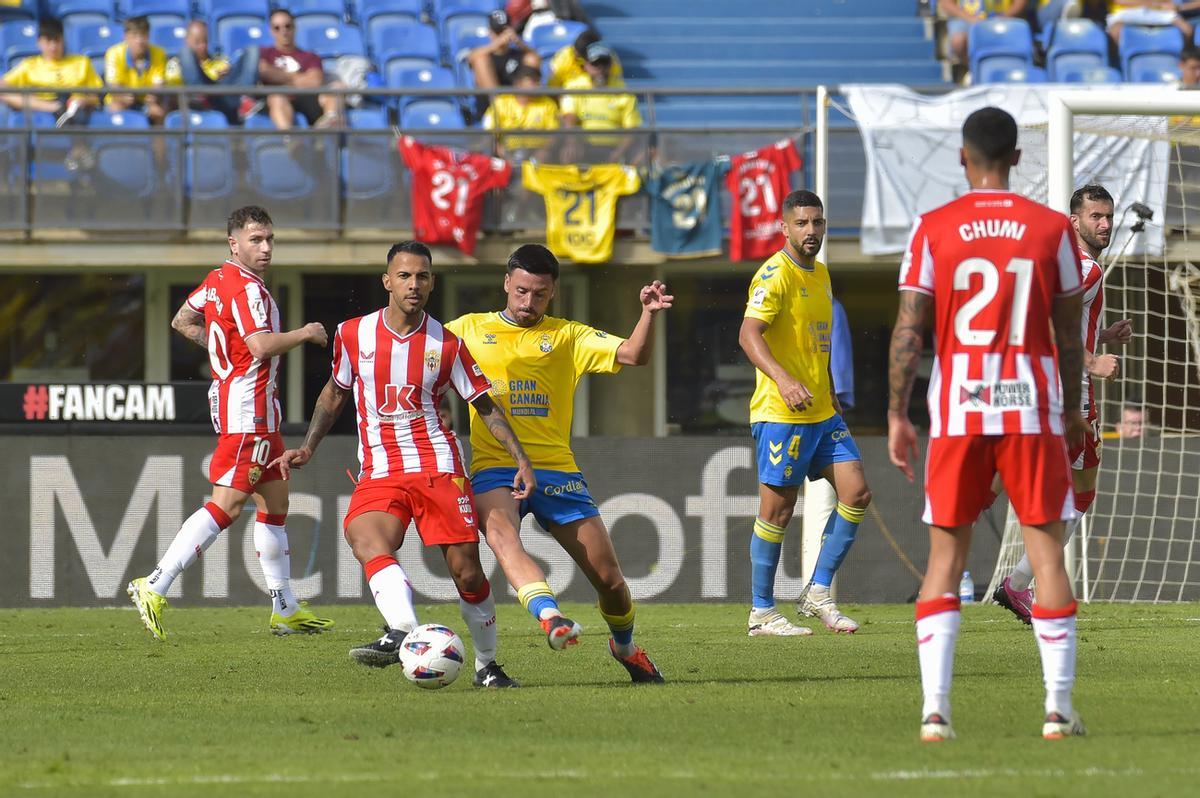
<point x="433" y="114"/>
<point x="999" y="73"/>
<point x="409" y="77"/>
<point x="85" y="10"/>
<point x="1076" y="44"/>
<point x="445" y="10"/>
<point x="1139" y="43"/>
<point x="169" y="37"/>
<point x="18" y="39"/>
<point x="237" y="33"/>
<point x="19" y="10"/>
<point x="208" y="164"/>
<point x="328" y="41"/>
<point x="226" y="12"/>
<point x="91" y="39"/>
<point x="368" y="168"/>
<point x="125" y="164"/>
<point x="1153" y="68"/>
<point x="403" y="43"/>
<point x="549" y="39"/>
<point x="320" y="8"/>
<point x="276" y="170"/>
<point x="464" y="34"/>
<point x="1091" y="75"/>
<point x="999" y="38"/>
<point x="149" y="8"/>
<point x="410" y="11"/>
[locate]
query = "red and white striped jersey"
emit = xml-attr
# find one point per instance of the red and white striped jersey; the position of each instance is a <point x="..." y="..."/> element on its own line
<point x="994" y="262"/>
<point x="398" y="383"/>
<point x="1093" y="309"/>
<point x="236" y="305"/>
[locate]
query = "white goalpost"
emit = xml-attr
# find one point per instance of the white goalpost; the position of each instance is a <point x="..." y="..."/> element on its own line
<point x="1142" y="535"/>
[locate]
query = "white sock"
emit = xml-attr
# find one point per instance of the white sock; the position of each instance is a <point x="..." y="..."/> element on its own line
<point x="937" y="632"/>
<point x="1056" y="642"/>
<point x="193" y="538"/>
<point x="1022" y="574"/>
<point x="480" y="618"/>
<point x="275" y="559"/>
<point x="393" y="597"/>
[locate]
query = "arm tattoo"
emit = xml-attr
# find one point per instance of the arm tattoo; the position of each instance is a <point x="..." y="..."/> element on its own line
<point x="1070" y="365"/>
<point x="190" y="325"/>
<point x="493" y="417"/>
<point x="329" y="406"/>
<point x="908" y="340"/>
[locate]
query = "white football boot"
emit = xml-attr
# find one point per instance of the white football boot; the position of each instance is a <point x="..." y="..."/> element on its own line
<point x="1058" y="726"/>
<point x="770" y="622"/>
<point x="817" y="603"/>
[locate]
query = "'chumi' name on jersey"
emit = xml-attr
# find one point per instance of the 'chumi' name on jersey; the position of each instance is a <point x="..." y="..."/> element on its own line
<point x="992" y="228"/>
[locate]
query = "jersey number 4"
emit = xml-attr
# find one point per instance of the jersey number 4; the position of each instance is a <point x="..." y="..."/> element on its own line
<point x="1022" y="269"/>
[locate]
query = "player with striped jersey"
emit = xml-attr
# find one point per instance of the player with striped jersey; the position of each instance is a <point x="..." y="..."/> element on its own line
<point x="998" y="270"/>
<point x="396" y="365"/>
<point x="1092" y="218"/>
<point x="233" y="316"/>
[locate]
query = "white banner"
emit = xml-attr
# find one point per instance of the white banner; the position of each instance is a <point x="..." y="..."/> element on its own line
<point x="912" y="147"/>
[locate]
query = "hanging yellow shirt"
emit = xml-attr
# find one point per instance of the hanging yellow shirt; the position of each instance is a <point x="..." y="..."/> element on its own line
<point x="68" y="72"/>
<point x="601" y="111"/>
<point x="506" y="113"/>
<point x="797" y="305"/>
<point x="534" y="371"/>
<point x="120" y="72"/>
<point x="566" y="65"/>
<point x="581" y="206"/>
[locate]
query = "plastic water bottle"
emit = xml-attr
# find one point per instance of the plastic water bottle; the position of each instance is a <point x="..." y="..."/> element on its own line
<point x="966" y="589"/>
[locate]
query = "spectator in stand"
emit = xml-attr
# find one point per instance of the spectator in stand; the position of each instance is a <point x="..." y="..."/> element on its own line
<point x="523" y="112"/>
<point x="287" y="65"/>
<point x="1189" y="68"/>
<point x="547" y="12"/>
<point x="962" y="14"/>
<point x="495" y="63"/>
<point x="1145" y="13"/>
<point x="567" y="64"/>
<point x="55" y="70"/>
<point x="136" y="64"/>
<point x="1133" y="421"/>
<point x="196" y="66"/>
<point x="600" y="111"/>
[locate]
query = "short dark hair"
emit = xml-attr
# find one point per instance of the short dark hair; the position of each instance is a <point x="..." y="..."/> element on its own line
<point x="410" y="248"/>
<point x="139" y="24"/>
<point x="802" y="199"/>
<point x="1093" y="192"/>
<point x="535" y="259"/>
<point x="584" y="41"/>
<point x="249" y="214"/>
<point x="1189" y="53"/>
<point x="990" y="133"/>
<point x="276" y="11"/>
<point x="526" y="71"/>
<point x="50" y="28"/>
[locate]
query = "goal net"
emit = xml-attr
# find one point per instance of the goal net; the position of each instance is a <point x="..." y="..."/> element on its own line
<point x="1141" y="539"/>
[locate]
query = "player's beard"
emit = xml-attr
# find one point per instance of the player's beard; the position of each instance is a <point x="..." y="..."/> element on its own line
<point x="1094" y="242"/>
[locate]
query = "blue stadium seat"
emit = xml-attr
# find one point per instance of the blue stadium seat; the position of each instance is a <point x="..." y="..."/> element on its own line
<point x="321" y="8"/>
<point x="208" y="165"/>
<point x="410" y="45"/>
<point x="464" y="34"/>
<point x="276" y="171"/>
<point x="169" y="37"/>
<point x="432" y="114"/>
<point x="1091" y="75"/>
<point x="409" y="77"/>
<point x="146" y="8"/>
<point x="18" y="39"/>
<point x="998" y="73"/>
<point x="328" y="41"/>
<point x="394" y="10"/>
<point x="87" y="10"/>
<point x="1138" y="43"/>
<point x="444" y="10"/>
<point x="233" y="12"/>
<point x="999" y="38"/>
<point x="21" y="10"/>
<point x="90" y="38"/>
<point x="237" y="33"/>
<point x="1153" y="68"/>
<point x="125" y="164"/>
<point x="368" y="162"/>
<point x="1076" y="44"/>
<point x="549" y="39"/>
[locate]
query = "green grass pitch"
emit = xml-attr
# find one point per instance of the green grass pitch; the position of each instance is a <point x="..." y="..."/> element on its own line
<point x="90" y="705"/>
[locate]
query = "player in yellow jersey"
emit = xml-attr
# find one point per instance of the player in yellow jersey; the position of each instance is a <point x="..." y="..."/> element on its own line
<point x="535" y="361"/>
<point x="796" y="418"/>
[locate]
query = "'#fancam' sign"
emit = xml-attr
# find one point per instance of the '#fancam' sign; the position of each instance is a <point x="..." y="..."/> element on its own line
<point x="41" y="403"/>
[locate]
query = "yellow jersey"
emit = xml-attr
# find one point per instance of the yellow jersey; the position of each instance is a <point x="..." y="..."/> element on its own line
<point x="581" y="206"/>
<point x="533" y="371"/>
<point x="797" y="304"/>
<point x="506" y="113"/>
<point x="121" y="72"/>
<point x="566" y="65"/>
<point x="68" y="72"/>
<point x="601" y="111"/>
<point x="215" y="67"/>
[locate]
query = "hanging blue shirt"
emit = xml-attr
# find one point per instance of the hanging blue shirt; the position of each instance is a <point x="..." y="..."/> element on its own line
<point x="685" y="212"/>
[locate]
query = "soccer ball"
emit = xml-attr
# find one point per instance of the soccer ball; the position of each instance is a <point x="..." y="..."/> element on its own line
<point x="432" y="656"/>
